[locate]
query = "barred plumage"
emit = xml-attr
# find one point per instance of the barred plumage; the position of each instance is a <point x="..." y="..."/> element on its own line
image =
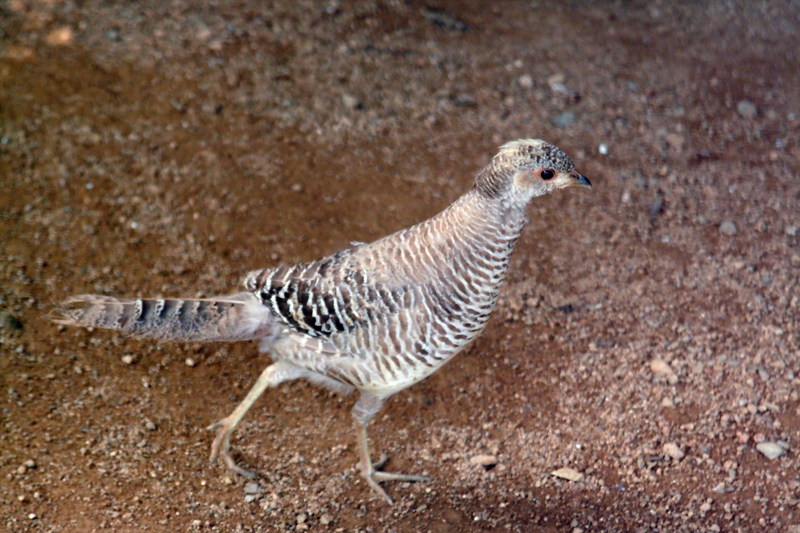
<point x="376" y="317"/>
<point x="229" y="318"/>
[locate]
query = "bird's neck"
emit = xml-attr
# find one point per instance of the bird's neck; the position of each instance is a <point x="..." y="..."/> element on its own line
<point x="477" y="220"/>
<point x="495" y="185"/>
<point x="496" y="216"/>
<point x="491" y="181"/>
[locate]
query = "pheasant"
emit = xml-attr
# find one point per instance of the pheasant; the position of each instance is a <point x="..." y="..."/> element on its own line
<point x="375" y="317"/>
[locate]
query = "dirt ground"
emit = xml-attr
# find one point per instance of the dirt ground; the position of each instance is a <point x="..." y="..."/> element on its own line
<point x="647" y="338"/>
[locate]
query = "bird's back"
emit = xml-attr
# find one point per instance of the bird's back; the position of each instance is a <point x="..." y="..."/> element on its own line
<point x="384" y="315"/>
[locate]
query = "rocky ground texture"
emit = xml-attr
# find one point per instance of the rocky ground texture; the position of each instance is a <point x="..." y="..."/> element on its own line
<point x="641" y="372"/>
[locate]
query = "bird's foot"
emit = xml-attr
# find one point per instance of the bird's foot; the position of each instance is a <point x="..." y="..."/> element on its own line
<point x="220" y="448"/>
<point x="374" y="476"/>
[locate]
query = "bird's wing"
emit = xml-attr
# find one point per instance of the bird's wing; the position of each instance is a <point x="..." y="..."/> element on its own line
<point x="336" y="294"/>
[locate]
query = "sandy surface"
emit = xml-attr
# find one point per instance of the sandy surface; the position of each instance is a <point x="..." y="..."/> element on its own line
<point x="647" y="338"/>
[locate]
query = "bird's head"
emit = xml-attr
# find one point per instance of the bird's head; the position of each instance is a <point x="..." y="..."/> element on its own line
<point x="526" y="168"/>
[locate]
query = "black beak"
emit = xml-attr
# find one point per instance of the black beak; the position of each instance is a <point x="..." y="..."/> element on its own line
<point x="581" y="181"/>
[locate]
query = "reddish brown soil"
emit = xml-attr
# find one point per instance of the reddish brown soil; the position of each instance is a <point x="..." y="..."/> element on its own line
<point x="166" y="148"/>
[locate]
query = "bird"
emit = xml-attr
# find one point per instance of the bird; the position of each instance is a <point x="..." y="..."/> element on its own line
<point x="376" y="317"/>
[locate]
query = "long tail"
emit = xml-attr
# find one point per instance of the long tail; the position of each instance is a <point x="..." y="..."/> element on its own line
<point x="226" y="318"/>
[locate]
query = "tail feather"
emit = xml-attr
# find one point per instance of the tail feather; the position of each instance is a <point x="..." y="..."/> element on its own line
<point x="226" y="318"/>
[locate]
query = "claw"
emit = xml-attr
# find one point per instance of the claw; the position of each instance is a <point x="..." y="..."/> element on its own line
<point x="374" y="477"/>
<point x="377" y="488"/>
<point x="220" y="448"/>
<point x="390" y="476"/>
<point x="380" y="463"/>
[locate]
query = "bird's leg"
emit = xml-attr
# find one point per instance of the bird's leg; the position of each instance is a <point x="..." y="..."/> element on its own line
<point x="220" y="449"/>
<point x="364" y="411"/>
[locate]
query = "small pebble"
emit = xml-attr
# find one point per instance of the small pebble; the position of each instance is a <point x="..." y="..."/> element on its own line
<point x="60" y="37"/>
<point x="486" y="461"/>
<point x="660" y="367"/>
<point x="203" y="33"/>
<point x="656" y="206"/>
<point x="250" y="498"/>
<point x="564" y="120"/>
<point x="29" y="464"/>
<point x="675" y="141"/>
<point x="563" y="89"/>
<point x="567" y="473"/>
<point x="673" y="450"/>
<point x="771" y="450"/>
<point x="190" y="362"/>
<point x="350" y="101"/>
<point x="728" y="228"/>
<point x="445" y="21"/>
<point x="556" y="78"/>
<point x="252" y="488"/>
<point x="746" y="109"/>
<point x="526" y="81"/>
<point x="128" y="359"/>
<point x="325" y="519"/>
<point x="149" y="425"/>
<point x="602" y="149"/>
<point x="113" y="35"/>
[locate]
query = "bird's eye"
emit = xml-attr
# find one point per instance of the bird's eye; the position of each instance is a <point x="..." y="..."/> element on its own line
<point x="547" y="174"/>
